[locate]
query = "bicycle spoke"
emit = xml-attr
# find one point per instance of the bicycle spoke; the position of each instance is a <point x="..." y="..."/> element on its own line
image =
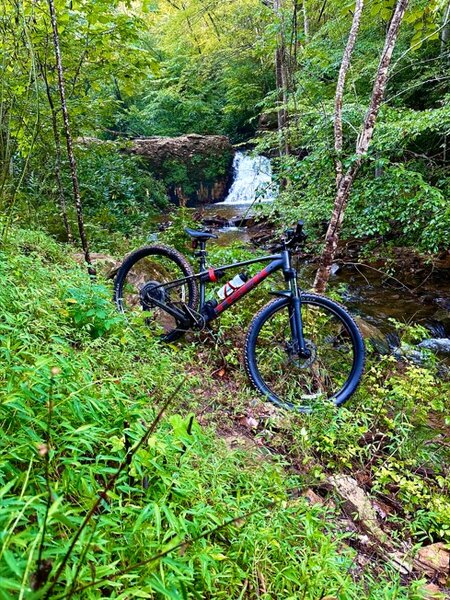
<point x="145" y="281"/>
<point x="302" y="380"/>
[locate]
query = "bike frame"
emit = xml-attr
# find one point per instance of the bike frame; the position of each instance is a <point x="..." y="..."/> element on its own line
<point x="277" y="262"/>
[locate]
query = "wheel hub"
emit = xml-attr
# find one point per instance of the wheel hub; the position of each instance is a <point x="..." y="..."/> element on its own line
<point x="305" y="361"/>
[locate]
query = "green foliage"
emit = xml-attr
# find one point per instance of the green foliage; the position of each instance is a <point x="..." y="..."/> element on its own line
<point x="174" y="235"/>
<point x="71" y="405"/>
<point x="120" y="196"/>
<point x="211" y="78"/>
<point x="79" y="385"/>
<point x="165" y="69"/>
<point x="389" y="200"/>
<point x="90" y="308"/>
<point x="401" y="203"/>
<point x="387" y="439"/>
<point x="118" y="191"/>
<point x="402" y="191"/>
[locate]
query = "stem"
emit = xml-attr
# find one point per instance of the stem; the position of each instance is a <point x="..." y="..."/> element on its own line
<point x="47" y="470"/>
<point x="58" y="161"/>
<point x="345" y="65"/>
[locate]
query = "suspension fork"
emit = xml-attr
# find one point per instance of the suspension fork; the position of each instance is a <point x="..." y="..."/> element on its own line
<point x="295" y="318"/>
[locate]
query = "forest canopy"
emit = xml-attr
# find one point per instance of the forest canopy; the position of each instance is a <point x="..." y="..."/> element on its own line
<point x="170" y="68"/>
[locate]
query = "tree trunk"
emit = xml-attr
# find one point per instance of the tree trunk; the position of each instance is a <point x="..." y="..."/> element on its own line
<point x="58" y="178"/>
<point x="362" y="145"/>
<point x="305" y="21"/>
<point x="69" y="142"/>
<point x="282" y="79"/>
<point x="345" y="65"/>
<point x="58" y="161"/>
<point x="445" y="34"/>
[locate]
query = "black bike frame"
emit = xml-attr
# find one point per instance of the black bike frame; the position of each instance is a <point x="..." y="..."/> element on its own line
<point x="276" y="262"/>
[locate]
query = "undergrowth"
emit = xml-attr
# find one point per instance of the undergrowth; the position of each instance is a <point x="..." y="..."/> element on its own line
<point x="85" y="514"/>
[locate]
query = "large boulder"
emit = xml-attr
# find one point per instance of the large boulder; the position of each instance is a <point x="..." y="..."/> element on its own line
<point x="183" y="148"/>
<point x="196" y="168"/>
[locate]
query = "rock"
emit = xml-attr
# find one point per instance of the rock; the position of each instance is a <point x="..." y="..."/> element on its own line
<point x="214" y="221"/>
<point x="358" y="504"/>
<point x="206" y="162"/>
<point x="183" y="148"/>
<point x="436" y="328"/>
<point x="107" y="265"/>
<point x="442" y="316"/>
<point x="374" y="335"/>
<point x="249" y="422"/>
<point x="335" y="268"/>
<point x="313" y="498"/>
<point x="400" y="562"/>
<point x="443" y="303"/>
<point x="408" y="352"/>
<point x="261" y="239"/>
<point x="368" y="330"/>
<point x="436" y="345"/>
<point x="242" y="222"/>
<point x="433" y="559"/>
<point x="433" y="592"/>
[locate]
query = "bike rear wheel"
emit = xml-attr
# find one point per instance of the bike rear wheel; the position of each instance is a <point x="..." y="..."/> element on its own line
<point x="146" y="276"/>
<point x="334" y="368"/>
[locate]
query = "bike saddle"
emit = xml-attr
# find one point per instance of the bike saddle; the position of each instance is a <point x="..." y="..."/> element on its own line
<point x="201" y="236"/>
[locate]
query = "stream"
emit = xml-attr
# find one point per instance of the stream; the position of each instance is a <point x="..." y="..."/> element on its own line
<point x="365" y="291"/>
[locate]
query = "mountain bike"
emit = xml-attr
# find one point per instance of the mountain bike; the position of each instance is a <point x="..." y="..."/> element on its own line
<point x="300" y="348"/>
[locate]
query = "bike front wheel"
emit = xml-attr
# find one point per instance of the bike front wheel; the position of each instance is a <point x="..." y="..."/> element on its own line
<point x="337" y="355"/>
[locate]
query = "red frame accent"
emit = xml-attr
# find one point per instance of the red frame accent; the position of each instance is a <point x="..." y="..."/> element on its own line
<point x="241" y="291"/>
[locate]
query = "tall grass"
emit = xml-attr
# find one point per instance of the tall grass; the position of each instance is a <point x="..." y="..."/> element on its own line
<point x="109" y="489"/>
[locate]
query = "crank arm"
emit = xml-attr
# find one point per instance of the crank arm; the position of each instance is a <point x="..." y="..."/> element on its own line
<point x="174" y="312"/>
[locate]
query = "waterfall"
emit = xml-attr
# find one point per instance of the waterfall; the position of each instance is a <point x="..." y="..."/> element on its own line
<point x="252" y="180"/>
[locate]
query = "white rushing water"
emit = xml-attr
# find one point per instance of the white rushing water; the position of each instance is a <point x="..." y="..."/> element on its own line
<point x="252" y="180"/>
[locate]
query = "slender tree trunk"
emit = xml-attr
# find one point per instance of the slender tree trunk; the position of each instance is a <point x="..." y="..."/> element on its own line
<point x="58" y="160"/>
<point x="445" y="34"/>
<point x="69" y="142"/>
<point x="362" y="145"/>
<point x="345" y="65"/>
<point x="58" y="178"/>
<point x="305" y="21"/>
<point x="282" y="78"/>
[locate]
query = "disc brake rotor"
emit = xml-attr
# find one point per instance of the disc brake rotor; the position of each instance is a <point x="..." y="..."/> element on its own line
<point x="302" y="363"/>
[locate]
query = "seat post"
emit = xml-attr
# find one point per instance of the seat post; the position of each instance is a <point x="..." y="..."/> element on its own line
<point x="202" y="254"/>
